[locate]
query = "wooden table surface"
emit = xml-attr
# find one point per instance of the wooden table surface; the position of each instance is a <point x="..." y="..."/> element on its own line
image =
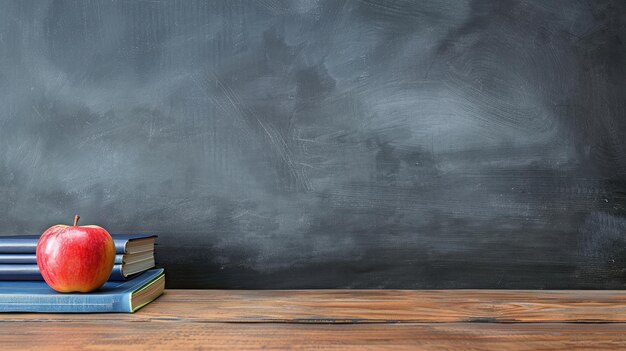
<point x="338" y="320"/>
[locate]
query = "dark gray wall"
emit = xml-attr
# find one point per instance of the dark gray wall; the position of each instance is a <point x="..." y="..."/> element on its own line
<point x="299" y="144"/>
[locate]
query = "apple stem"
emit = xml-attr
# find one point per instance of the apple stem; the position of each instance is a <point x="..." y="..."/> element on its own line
<point x="76" y="218"/>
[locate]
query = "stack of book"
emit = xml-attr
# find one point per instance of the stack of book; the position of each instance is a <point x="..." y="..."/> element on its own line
<point x="133" y="283"/>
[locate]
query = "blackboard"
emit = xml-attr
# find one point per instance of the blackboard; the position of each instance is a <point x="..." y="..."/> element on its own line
<point x="325" y="144"/>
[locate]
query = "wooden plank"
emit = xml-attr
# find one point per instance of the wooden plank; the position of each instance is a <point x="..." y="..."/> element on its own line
<point x="101" y="335"/>
<point x="337" y="320"/>
<point x="369" y="306"/>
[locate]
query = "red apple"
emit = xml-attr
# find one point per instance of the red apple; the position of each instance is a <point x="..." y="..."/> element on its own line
<point x="75" y="258"/>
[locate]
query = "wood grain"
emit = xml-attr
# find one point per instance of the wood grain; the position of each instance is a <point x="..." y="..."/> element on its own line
<point x="372" y="306"/>
<point x="254" y="336"/>
<point x="338" y="320"/>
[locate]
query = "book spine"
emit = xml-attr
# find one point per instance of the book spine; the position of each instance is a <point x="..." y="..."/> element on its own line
<point x="29" y="245"/>
<point x="120" y="246"/>
<point x="20" y="272"/>
<point x="117" y="274"/>
<point x="32" y="259"/>
<point x="66" y="303"/>
<point x="31" y="272"/>
<point x="17" y="246"/>
<point x="18" y="259"/>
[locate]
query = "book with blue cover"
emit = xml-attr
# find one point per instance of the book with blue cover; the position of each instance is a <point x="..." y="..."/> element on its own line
<point x="114" y="296"/>
<point x="31" y="271"/>
<point x="27" y="244"/>
<point x="32" y="258"/>
<point x="19" y="272"/>
<point x="18" y="258"/>
<point x="135" y="254"/>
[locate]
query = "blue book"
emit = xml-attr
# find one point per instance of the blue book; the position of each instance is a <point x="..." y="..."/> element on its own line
<point x="135" y="254"/>
<point x="18" y="244"/>
<point x="19" y="272"/>
<point x="32" y="259"/>
<point x="130" y="243"/>
<point x="124" y="243"/>
<point x="18" y="258"/>
<point x="127" y="296"/>
<point x="30" y="271"/>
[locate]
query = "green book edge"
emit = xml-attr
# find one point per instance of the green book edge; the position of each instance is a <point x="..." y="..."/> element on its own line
<point x="161" y="276"/>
